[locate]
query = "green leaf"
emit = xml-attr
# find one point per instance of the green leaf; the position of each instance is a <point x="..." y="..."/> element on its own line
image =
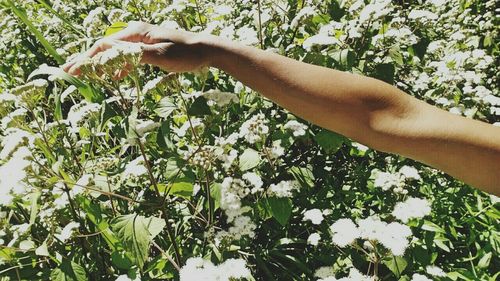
<point x="484" y="262"/>
<point x="121" y="260"/>
<point x="303" y="175"/>
<point x="163" y="138"/>
<point x="181" y="188"/>
<point x="385" y="72"/>
<point x="430" y="226"/>
<point x="68" y="271"/>
<point x="263" y="209"/>
<point x="199" y="107"/>
<point x="396" y="56"/>
<point x="34" y="206"/>
<point x="114" y="28"/>
<point x="61" y="17"/>
<point x="215" y="194"/>
<point x="329" y="141"/>
<point x="249" y="159"/>
<point x="336" y="12"/>
<point x="281" y="209"/>
<point x="58" y="110"/>
<point x="23" y="17"/>
<point x="107" y="112"/>
<point x="87" y="91"/>
<point x="440" y="243"/>
<point x="172" y="169"/>
<point x="136" y="233"/>
<point x="42" y="250"/>
<point x="95" y="215"/>
<point x="344" y="58"/>
<point x="395" y="264"/>
<point x="165" y="107"/>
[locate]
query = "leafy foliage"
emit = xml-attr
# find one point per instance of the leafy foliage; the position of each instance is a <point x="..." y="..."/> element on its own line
<point x="136" y="179"/>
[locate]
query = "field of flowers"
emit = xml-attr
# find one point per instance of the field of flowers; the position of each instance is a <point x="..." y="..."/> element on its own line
<point x="163" y="176"/>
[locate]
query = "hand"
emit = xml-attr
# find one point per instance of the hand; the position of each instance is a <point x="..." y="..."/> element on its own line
<point x="172" y="50"/>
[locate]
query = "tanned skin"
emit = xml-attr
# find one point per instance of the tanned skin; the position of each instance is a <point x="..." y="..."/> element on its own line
<point x="364" y="109"/>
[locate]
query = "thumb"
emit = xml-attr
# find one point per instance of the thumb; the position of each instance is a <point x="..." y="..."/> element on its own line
<point x="154" y="53"/>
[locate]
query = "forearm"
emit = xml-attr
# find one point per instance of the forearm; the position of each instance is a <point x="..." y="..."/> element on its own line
<point x="335" y="100"/>
<point x="369" y="111"/>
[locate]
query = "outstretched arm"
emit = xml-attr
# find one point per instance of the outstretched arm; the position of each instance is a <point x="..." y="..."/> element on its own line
<point x="365" y="109"/>
<point x="369" y="111"/>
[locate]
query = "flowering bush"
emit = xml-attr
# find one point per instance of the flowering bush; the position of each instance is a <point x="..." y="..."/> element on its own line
<point x="197" y="177"/>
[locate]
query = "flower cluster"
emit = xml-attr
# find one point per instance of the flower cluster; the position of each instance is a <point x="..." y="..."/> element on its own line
<point x="200" y="269"/>
<point x="393" y="236"/>
<point x="157" y="168"/>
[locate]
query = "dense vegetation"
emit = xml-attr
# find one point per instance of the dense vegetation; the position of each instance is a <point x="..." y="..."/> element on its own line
<point x="197" y="177"/>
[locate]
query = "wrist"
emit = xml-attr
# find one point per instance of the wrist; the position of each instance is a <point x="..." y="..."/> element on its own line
<point x="215" y="49"/>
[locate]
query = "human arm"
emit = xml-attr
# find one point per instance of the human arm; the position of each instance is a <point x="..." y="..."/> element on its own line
<point x="365" y="109"/>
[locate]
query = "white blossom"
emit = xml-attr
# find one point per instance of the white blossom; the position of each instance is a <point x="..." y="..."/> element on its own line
<point x="419" y="277"/>
<point x="254" y="128"/>
<point x="205" y="270"/>
<point x="344" y="232"/>
<point x="297" y="128"/>
<point x="282" y="189"/>
<point x="435" y="271"/>
<point x="314" y="215"/>
<point x="411" y="208"/>
<point x="313" y="239"/>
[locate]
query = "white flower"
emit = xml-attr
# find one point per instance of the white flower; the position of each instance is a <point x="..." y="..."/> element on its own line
<point x="314" y="215"/>
<point x="344" y="232"/>
<point x="422" y="15"/>
<point x="221" y="98"/>
<point x="435" y="271"/>
<point x="297" y="128"/>
<point x="324" y="272"/>
<point x="254" y="128"/>
<point x="393" y="236"/>
<point x="12" y="175"/>
<point x="411" y="208"/>
<point x="313" y="239"/>
<point x="198" y="269"/>
<point x="242" y="226"/>
<point x="247" y="35"/>
<point x="282" y="189"/>
<point x="419" y="277"/>
<point x="387" y="180"/>
<point x="6" y="97"/>
<point x="276" y="150"/>
<point x="13" y="138"/>
<point x="254" y="180"/>
<point x="204" y="270"/>
<point x="371" y="228"/>
<point x="375" y="10"/>
<point x="233" y="269"/>
<point x="409" y="172"/>
<point x="80" y="111"/>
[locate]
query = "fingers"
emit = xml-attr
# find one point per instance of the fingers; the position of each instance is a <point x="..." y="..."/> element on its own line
<point x="134" y="32"/>
<point x="72" y="67"/>
<point x="152" y="53"/>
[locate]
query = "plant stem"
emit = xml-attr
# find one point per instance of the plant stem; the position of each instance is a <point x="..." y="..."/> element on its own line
<point x="163" y="209"/>
<point x="260" y="25"/>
